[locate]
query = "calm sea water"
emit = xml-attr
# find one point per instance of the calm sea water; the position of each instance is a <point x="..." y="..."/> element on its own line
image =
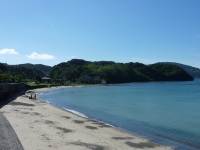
<point x="164" y="112"/>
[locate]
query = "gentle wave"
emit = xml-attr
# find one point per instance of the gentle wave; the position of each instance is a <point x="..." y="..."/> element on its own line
<point x="104" y="123"/>
<point x="44" y="100"/>
<point x="76" y="112"/>
<point x="80" y="114"/>
<point x="83" y="115"/>
<point x="48" y="102"/>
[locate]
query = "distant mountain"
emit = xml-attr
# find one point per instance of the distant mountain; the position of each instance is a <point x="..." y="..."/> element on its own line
<point x="81" y="70"/>
<point x="194" y="72"/>
<point x="43" y="68"/>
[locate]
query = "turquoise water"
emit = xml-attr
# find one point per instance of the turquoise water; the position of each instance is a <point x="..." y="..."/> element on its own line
<point x="164" y="112"/>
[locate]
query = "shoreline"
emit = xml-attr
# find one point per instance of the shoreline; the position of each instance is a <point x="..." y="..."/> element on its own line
<point x="40" y="125"/>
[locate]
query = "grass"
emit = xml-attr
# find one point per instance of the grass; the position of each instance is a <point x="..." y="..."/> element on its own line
<point x="34" y="84"/>
<point x="41" y="84"/>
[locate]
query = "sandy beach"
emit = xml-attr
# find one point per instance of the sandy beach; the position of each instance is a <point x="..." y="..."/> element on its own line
<point x="41" y="126"/>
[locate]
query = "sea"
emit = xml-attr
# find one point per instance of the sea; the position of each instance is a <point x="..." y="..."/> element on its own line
<point x="167" y="113"/>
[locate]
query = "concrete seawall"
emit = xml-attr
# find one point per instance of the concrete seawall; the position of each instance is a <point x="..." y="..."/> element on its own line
<point x="8" y="89"/>
<point x="9" y="139"/>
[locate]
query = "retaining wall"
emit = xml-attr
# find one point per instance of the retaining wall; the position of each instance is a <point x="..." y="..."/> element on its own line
<point x="9" y="89"/>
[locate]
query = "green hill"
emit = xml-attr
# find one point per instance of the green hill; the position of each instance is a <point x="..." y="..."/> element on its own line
<point x="43" y="68"/>
<point x="18" y="73"/>
<point x="194" y="72"/>
<point x="93" y="72"/>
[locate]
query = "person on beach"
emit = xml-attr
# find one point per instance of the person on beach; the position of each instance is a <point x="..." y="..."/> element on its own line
<point x="30" y="97"/>
<point x="34" y="96"/>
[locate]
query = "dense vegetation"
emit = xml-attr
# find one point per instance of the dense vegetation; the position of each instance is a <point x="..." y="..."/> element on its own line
<point x="94" y="72"/>
<point x="83" y="71"/>
<point x="43" y="68"/>
<point x="194" y="72"/>
<point x="19" y="73"/>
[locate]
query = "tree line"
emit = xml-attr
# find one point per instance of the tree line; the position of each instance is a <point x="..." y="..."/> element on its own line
<point x="9" y="73"/>
<point x="78" y="70"/>
<point x="112" y="72"/>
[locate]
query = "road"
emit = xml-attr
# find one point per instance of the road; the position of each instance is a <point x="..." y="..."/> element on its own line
<point x="8" y="137"/>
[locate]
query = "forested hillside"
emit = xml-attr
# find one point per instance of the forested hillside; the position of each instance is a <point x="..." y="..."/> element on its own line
<point x="10" y="73"/>
<point x="194" y="72"/>
<point x="86" y="71"/>
<point x="94" y="72"/>
<point x="43" y="68"/>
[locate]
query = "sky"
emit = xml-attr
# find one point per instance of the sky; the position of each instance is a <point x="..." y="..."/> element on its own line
<point x="53" y="31"/>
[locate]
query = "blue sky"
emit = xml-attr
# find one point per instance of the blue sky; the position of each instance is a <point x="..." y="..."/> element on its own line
<point x="54" y="31"/>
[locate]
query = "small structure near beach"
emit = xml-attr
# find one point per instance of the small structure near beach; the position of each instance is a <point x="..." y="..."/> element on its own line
<point x="87" y="78"/>
<point x="46" y="79"/>
<point x="103" y="82"/>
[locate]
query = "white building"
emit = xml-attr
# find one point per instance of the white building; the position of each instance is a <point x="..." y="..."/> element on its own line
<point x="103" y="82"/>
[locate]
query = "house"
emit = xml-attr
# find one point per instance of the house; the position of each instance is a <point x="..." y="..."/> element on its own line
<point x="46" y="79"/>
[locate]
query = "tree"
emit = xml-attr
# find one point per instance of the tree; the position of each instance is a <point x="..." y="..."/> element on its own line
<point x="38" y="79"/>
<point x="2" y="67"/>
<point x="18" y="78"/>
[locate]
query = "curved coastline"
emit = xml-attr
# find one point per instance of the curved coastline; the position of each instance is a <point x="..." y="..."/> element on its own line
<point x="95" y="120"/>
<point x="160" y="138"/>
<point x="70" y="130"/>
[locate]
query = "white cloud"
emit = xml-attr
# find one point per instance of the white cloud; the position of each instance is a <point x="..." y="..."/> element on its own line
<point x="35" y="55"/>
<point x="8" y="51"/>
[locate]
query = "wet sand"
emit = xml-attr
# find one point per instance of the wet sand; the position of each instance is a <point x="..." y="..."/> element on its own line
<point x="41" y="126"/>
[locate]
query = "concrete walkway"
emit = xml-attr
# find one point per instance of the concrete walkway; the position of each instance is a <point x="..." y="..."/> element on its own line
<point x="8" y="137"/>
